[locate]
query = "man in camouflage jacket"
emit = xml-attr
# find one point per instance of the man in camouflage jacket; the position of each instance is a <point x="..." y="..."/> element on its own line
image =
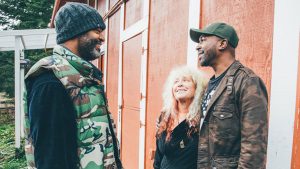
<point x="234" y="122"/>
<point x="67" y="121"/>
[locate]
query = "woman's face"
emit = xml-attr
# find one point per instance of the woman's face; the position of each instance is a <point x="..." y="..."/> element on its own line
<point x="184" y="88"/>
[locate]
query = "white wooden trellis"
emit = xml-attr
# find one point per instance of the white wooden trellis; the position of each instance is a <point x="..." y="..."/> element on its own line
<point x="18" y="41"/>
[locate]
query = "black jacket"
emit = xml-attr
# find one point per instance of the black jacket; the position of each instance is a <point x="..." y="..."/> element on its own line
<point x="178" y="153"/>
<point x="52" y="123"/>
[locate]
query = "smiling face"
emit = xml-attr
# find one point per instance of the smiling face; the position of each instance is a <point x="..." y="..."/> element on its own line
<point x="207" y="50"/>
<point x="89" y="44"/>
<point x="184" y="88"/>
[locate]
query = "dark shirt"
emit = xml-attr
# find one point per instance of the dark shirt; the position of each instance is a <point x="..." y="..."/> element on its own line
<point x="178" y="153"/>
<point x="214" y="82"/>
<point x="212" y="86"/>
<point x="52" y="123"/>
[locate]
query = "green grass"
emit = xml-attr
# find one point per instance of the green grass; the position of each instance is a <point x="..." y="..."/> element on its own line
<point x="10" y="157"/>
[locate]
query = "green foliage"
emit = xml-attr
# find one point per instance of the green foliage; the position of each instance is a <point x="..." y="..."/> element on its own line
<point x="21" y="14"/>
<point x="15" y="164"/>
<point x="7" y="73"/>
<point x="18" y="14"/>
<point x="35" y="55"/>
<point x="7" y="68"/>
<point x="10" y="157"/>
<point x="25" y="14"/>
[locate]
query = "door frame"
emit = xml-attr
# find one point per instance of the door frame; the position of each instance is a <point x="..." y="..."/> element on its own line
<point x="140" y="27"/>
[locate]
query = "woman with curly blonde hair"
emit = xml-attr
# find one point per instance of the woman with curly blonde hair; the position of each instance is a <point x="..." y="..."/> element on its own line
<point x="178" y="123"/>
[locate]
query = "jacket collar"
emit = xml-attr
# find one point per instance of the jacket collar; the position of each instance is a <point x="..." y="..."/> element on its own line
<point x="85" y="68"/>
<point x="231" y="72"/>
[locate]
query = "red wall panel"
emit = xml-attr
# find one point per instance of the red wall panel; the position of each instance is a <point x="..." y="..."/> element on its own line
<point x="132" y="52"/>
<point x="101" y="7"/>
<point x="253" y="21"/>
<point x="113" y="63"/>
<point x="168" y="35"/>
<point x="133" y="12"/>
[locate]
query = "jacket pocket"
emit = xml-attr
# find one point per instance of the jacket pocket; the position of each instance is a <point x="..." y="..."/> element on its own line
<point x="225" y="162"/>
<point x="222" y="125"/>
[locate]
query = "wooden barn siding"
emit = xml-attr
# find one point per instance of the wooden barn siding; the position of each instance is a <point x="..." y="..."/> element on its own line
<point x="133" y="12"/>
<point x="113" y="64"/>
<point x="101" y="7"/>
<point x="132" y="52"/>
<point x="253" y="21"/>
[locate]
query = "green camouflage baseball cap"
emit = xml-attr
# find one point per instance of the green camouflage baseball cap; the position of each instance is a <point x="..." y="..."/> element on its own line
<point x="219" y="29"/>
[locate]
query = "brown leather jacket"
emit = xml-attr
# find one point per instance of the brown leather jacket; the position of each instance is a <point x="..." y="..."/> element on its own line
<point x="235" y="130"/>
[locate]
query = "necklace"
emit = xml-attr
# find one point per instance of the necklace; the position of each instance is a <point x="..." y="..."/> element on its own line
<point x="181" y="144"/>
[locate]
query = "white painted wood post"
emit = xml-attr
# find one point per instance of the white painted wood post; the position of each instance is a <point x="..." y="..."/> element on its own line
<point x="283" y="84"/>
<point x="120" y="79"/>
<point x="143" y="101"/>
<point x="106" y="47"/>
<point x="143" y="84"/>
<point x="22" y="86"/>
<point x="194" y="21"/>
<point x="17" y="92"/>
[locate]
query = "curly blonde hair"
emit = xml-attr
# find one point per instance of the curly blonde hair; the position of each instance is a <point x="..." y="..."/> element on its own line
<point x="169" y="112"/>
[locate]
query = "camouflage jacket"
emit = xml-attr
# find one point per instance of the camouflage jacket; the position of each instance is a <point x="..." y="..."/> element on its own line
<point x="235" y="128"/>
<point x="97" y="144"/>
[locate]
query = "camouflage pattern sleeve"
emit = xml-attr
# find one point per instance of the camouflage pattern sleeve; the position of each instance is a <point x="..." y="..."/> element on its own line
<point x="253" y="104"/>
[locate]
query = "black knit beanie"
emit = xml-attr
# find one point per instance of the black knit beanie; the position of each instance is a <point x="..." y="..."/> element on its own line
<point x="74" y="19"/>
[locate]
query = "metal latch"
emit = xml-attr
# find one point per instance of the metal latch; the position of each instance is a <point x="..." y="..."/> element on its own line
<point x="24" y="63"/>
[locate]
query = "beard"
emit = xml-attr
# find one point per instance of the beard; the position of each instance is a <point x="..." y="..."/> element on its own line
<point x="208" y="57"/>
<point x="87" y="48"/>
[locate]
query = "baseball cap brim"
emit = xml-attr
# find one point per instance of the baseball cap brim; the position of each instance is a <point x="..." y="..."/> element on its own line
<point x="196" y="33"/>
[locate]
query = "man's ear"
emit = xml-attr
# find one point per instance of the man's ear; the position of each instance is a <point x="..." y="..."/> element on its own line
<point x="223" y="44"/>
